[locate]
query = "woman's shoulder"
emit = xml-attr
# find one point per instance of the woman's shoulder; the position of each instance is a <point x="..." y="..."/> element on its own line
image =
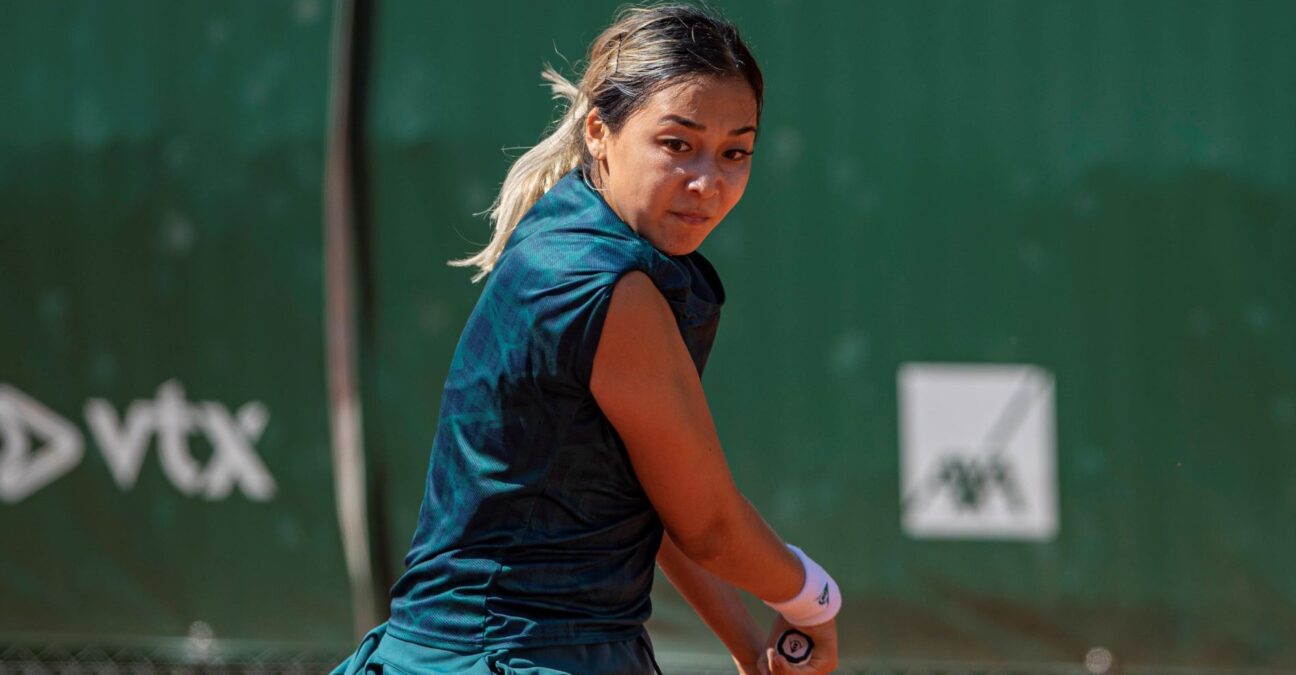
<point x="571" y="238"/>
<point x="576" y="249"/>
<point x="571" y="230"/>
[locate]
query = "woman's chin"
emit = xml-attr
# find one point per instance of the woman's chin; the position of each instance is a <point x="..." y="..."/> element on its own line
<point x="679" y="248"/>
<point x="677" y="245"/>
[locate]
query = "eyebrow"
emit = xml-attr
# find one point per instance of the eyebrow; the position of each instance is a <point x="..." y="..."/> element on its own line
<point x="686" y="122"/>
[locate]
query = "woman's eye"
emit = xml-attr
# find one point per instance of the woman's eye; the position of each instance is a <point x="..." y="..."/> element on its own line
<point x="738" y="155"/>
<point x="675" y="144"/>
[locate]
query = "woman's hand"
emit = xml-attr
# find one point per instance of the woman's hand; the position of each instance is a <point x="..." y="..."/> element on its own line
<point x="822" y="660"/>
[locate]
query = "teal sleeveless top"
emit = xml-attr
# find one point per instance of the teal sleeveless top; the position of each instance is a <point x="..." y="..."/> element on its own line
<point x="533" y="529"/>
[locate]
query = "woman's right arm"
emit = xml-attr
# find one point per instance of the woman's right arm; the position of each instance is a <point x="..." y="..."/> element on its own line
<point x="647" y="386"/>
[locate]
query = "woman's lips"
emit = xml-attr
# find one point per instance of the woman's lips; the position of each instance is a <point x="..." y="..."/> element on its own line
<point x="691" y="218"/>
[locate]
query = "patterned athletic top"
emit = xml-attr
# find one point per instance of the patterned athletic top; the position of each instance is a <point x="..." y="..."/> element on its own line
<point x="534" y="529"/>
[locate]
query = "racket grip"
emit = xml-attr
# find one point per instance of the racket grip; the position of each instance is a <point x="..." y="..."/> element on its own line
<point x="794" y="646"/>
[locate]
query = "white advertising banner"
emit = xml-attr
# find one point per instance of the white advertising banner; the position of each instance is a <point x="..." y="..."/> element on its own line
<point x="977" y="451"/>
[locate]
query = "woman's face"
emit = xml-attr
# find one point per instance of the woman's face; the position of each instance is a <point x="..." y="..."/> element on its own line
<point x="680" y="162"/>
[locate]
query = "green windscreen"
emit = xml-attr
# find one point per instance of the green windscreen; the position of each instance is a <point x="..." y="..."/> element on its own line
<point x="1097" y="193"/>
<point x="1009" y="346"/>
<point x="166" y="469"/>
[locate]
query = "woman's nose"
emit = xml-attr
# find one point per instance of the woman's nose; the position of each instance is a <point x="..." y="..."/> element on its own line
<point x="705" y="182"/>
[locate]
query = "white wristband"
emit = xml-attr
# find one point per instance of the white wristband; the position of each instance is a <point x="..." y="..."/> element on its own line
<point x="819" y="599"/>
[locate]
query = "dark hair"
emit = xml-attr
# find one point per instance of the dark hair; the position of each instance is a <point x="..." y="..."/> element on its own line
<point x="648" y="48"/>
<point x="644" y="50"/>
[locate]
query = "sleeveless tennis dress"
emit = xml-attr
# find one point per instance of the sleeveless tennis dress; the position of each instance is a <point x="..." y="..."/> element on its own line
<point x="535" y="540"/>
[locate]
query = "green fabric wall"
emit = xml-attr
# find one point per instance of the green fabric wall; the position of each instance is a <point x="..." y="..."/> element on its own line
<point x="1104" y="190"/>
<point x="160" y="169"/>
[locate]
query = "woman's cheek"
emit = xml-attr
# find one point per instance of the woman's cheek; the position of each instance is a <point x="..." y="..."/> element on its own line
<point x="739" y="176"/>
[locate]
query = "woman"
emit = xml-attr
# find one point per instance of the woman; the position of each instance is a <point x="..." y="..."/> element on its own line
<point x="574" y="447"/>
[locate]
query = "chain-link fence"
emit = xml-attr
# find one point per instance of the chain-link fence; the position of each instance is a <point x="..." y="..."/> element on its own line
<point x="52" y="660"/>
<point x="55" y="660"/>
<point x="61" y="660"/>
<point x="202" y="656"/>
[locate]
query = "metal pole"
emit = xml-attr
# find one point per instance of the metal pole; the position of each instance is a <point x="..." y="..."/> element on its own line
<point x="340" y="326"/>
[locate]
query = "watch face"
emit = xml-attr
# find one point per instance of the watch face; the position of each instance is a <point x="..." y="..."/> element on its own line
<point x="795" y="646"/>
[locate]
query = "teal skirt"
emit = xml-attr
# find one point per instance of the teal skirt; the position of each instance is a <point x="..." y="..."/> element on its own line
<point x="381" y="653"/>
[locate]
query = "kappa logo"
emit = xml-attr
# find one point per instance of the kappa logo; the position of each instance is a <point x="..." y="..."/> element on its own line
<point x="823" y="596"/>
<point x="124" y="440"/>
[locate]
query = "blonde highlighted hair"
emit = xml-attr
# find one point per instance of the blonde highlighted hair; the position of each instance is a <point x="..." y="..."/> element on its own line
<point x="644" y="50"/>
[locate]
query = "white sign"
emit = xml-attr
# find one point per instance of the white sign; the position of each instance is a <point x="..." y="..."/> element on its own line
<point x="977" y="452"/>
<point x="124" y="440"/>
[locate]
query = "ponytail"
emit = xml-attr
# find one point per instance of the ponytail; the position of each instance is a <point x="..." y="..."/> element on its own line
<point x="534" y="173"/>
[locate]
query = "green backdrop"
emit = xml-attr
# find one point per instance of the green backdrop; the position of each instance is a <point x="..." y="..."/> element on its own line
<point x="1101" y="189"/>
<point x="160" y="181"/>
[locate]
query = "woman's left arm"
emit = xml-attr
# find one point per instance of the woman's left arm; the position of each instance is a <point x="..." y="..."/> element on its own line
<point x="718" y="604"/>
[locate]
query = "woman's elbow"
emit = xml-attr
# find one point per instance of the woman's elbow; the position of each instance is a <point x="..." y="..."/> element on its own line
<point x="705" y="537"/>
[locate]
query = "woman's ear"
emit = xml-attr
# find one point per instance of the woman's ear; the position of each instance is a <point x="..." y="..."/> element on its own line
<point x="596" y="135"/>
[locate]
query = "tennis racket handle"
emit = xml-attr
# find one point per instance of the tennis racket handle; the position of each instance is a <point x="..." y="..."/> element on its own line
<point x="795" y="646"/>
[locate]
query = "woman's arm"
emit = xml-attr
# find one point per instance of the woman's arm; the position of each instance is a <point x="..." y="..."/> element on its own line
<point x="647" y="386"/>
<point x="718" y="604"/>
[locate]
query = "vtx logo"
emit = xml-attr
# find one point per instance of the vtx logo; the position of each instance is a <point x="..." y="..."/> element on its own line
<point x="123" y="441"/>
<point x="24" y="469"/>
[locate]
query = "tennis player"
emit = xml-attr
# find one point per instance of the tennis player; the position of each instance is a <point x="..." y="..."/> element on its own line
<point x="575" y="447"/>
